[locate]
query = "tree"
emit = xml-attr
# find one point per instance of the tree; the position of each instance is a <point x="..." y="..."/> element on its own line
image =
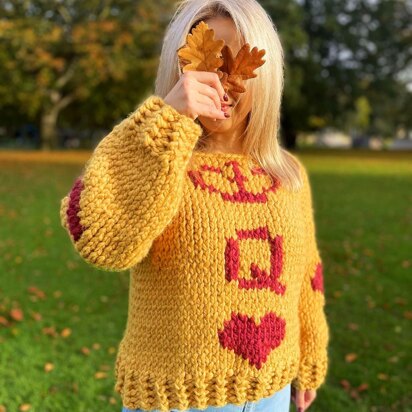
<point x="341" y="51"/>
<point x="58" y="53"/>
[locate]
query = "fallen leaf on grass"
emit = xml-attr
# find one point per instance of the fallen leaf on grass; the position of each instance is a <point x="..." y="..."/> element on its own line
<point x="34" y="290"/>
<point x="36" y="316"/>
<point x="353" y="326"/>
<point x="407" y="314"/>
<point x="48" y="232"/>
<point x="16" y="314"/>
<point x="100" y="375"/>
<point x="85" y="351"/>
<point x="345" y="384"/>
<point x="363" y="387"/>
<point x="350" y="357"/>
<point x="354" y="392"/>
<point x="71" y="265"/>
<point x="48" y="367"/>
<point x="66" y="332"/>
<point x="24" y="407"/>
<point x="50" y="330"/>
<point x="400" y="301"/>
<point x="370" y="302"/>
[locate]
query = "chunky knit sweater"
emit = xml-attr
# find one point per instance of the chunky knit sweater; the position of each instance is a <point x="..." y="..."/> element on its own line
<point x="226" y="298"/>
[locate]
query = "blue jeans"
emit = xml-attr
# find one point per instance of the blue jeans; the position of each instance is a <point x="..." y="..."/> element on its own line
<point x="278" y="402"/>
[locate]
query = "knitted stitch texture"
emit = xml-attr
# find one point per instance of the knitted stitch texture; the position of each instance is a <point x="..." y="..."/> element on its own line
<point x="226" y="298"/>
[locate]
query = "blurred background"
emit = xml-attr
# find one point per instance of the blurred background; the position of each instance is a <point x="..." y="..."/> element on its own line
<point x="70" y="70"/>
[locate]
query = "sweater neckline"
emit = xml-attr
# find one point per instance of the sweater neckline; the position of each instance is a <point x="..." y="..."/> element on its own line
<point x="220" y="155"/>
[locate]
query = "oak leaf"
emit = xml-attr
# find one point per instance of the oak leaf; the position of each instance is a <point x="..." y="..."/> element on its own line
<point x="236" y="70"/>
<point x="203" y="53"/>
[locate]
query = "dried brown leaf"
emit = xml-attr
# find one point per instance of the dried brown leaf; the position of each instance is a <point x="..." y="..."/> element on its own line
<point x="48" y="367"/>
<point x="240" y="68"/>
<point x="66" y="332"/>
<point x="350" y="357"/>
<point x="16" y="314"/>
<point x="201" y="51"/>
<point x="100" y="375"/>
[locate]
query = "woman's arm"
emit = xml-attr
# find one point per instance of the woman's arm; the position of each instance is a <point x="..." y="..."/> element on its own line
<point x="314" y="328"/>
<point x="131" y="186"/>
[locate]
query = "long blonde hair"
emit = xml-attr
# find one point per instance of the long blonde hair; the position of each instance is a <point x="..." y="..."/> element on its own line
<point x="255" y="26"/>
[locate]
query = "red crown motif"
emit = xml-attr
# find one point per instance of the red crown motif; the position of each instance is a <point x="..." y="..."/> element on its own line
<point x="198" y="177"/>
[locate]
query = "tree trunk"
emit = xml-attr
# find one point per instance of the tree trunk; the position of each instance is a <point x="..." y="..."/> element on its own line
<point x="49" y="119"/>
<point x="288" y="132"/>
<point x="49" y="129"/>
<point x="289" y="136"/>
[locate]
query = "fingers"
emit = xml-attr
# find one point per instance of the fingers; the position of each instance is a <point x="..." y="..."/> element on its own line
<point x="203" y="94"/>
<point x="212" y="93"/>
<point x="205" y="99"/>
<point x="310" y="396"/>
<point x="212" y="79"/>
<point x="300" y="400"/>
<point x="208" y="109"/>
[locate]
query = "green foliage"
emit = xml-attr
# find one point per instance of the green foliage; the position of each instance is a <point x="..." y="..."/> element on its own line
<point x="55" y="54"/>
<point x="88" y="62"/>
<point x="338" y="52"/>
<point x="363" y="110"/>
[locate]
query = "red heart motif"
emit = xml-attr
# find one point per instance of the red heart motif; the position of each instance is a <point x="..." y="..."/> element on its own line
<point x="251" y="341"/>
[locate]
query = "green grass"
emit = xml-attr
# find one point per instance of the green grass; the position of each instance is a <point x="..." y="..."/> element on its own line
<point x="363" y="211"/>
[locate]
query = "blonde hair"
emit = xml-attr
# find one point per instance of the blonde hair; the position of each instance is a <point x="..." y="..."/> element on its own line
<point x="255" y="26"/>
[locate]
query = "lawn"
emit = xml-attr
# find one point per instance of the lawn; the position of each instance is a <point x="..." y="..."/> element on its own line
<point x="61" y="320"/>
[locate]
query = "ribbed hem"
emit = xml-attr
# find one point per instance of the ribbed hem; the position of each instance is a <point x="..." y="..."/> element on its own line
<point x="183" y="391"/>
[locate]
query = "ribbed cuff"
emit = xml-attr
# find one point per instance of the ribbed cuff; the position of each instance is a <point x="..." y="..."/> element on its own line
<point x="312" y="374"/>
<point x="164" y="127"/>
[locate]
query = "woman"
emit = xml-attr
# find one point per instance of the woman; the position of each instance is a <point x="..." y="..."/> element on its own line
<point x="194" y="195"/>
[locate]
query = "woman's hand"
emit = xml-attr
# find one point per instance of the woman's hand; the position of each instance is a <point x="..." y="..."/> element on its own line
<point x="197" y="93"/>
<point x="303" y="399"/>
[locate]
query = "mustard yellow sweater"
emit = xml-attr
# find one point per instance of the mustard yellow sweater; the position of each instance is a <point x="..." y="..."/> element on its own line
<point x="226" y="299"/>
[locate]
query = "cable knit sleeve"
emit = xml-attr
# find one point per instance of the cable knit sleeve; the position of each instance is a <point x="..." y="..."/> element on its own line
<point x="314" y="333"/>
<point x="131" y="186"/>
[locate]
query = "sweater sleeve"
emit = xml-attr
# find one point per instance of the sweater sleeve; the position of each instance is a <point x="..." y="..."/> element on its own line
<point x="131" y="186"/>
<point x="314" y="332"/>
